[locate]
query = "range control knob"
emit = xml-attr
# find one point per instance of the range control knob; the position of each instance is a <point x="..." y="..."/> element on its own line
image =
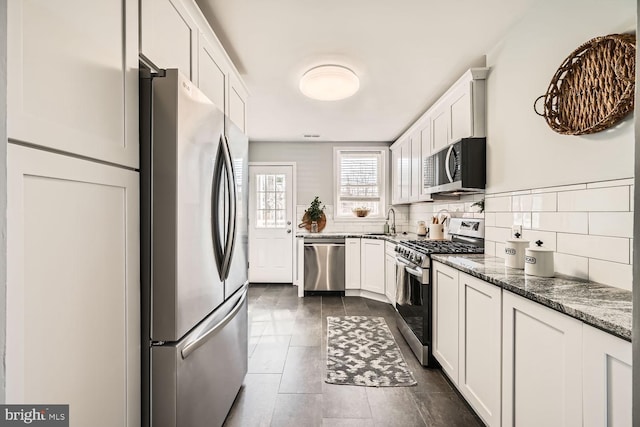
<point x="419" y="258"/>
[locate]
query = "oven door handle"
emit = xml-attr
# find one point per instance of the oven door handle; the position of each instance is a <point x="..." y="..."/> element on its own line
<point x="413" y="271"/>
<point x="408" y="267"/>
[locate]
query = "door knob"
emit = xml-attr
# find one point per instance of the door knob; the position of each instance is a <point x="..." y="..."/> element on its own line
<point x="288" y="231"/>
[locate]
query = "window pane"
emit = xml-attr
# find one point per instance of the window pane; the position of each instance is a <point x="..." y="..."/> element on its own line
<point x="360" y="181"/>
<point x="271" y="201"/>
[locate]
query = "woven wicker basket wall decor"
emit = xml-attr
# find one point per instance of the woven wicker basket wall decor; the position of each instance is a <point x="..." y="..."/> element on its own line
<point x="594" y="87"/>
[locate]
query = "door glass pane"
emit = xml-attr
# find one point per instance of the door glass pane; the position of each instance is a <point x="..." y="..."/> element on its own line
<point x="271" y="201"/>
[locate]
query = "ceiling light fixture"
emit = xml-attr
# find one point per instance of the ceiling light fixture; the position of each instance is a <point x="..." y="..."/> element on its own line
<point x="329" y="83"/>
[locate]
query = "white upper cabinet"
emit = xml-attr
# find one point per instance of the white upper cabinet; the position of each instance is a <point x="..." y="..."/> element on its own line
<point x="439" y="127"/>
<point x="212" y="72"/>
<point x="72" y="77"/>
<point x="237" y="103"/>
<point x="414" y="181"/>
<point x="175" y="34"/>
<point x="401" y="171"/>
<point x="425" y="151"/>
<point x="460" y="112"/>
<point x="168" y="35"/>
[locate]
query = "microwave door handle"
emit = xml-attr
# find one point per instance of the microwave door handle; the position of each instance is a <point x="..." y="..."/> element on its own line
<point x="447" y="168"/>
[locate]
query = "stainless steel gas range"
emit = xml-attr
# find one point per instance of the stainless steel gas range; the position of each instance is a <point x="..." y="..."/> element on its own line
<point x="413" y="280"/>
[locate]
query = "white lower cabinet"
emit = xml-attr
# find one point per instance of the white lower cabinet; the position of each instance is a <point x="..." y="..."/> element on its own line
<point x="480" y="339"/>
<point x="73" y="287"/>
<point x="390" y="272"/>
<point x="372" y="265"/>
<point x="445" y="318"/>
<point x="541" y="365"/>
<point x="606" y="379"/>
<point x="519" y="363"/>
<point x="352" y="263"/>
<point x="467" y="337"/>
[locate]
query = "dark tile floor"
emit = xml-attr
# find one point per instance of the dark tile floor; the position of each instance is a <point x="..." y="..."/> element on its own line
<point x="285" y="383"/>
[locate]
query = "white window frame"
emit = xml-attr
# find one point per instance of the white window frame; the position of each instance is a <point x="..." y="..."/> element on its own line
<point x="383" y="182"/>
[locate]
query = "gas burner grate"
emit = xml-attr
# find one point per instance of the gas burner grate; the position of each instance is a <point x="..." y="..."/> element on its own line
<point x="443" y="247"/>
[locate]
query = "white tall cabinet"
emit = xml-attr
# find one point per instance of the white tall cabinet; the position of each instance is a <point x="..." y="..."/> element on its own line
<point x="73" y="332"/>
<point x="73" y="305"/>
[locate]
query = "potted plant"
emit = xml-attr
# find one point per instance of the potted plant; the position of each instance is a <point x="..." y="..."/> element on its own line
<point x="315" y="213"/>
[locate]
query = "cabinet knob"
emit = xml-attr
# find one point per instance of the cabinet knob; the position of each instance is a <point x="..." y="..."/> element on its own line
<point x="288" y="231"/>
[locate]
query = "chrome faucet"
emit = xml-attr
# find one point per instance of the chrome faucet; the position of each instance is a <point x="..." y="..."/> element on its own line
<point x="392" y="228"/>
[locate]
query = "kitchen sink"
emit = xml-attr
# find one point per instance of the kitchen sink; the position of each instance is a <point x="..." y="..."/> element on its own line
<point x="379" y="234"/>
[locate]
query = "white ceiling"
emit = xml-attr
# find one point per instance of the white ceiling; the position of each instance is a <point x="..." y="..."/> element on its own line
<point x="406" y="53"/>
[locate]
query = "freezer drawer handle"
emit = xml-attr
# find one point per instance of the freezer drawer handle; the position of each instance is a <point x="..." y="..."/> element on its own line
<point x="199" y="341"/>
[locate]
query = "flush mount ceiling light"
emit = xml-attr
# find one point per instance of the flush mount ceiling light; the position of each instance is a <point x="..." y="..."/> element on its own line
<point x="329" y="83"/>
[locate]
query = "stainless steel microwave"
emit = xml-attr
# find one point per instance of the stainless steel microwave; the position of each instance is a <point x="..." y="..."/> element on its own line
<point x="457" y="169"/>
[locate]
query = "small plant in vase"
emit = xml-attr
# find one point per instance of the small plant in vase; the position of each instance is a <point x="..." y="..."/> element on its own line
<point x="315" y="213"/>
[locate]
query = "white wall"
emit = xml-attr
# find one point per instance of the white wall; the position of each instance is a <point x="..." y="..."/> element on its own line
<point x="523" y="152"/>
<point x="3" y="193"/>
<point x="575" y="193"/>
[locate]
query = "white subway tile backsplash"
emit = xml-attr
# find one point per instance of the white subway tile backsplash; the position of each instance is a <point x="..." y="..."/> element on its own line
<point x="611" y="273"/>
<point x="605" y="248"/>
<point x="589" y="225"/>
<point x="500" y="249"/>
<point x="612" y="199"/>
<point x="498" y="204"/>
<point x="559" y="189"/>
<point x="615" y="224"/>
<point x="612" y="183"/>
<point x="490" y="248"/>
<point x="548" y="238"/>
<point x="567" y="222"/>
<point x="496" y="234"/>
<point x="571" y="265"/>
<point x="490" y="219"/>
<point x="504" y="219"/>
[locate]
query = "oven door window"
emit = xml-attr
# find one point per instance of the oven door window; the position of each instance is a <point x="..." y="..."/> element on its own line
<point x="414" y="309"/>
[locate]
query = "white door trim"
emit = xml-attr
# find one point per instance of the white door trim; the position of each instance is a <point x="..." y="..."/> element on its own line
<point x="294" y="191"/>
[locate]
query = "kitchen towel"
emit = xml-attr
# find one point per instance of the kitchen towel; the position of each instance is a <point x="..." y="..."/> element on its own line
<point x="361" y="351"/>
<point x="403" y="293"/>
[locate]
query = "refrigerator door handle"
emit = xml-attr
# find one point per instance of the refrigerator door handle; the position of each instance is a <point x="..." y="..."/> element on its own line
<point x="198" y="341"/>
<point x="216" y="186"/>
<point x="232" y="220"/>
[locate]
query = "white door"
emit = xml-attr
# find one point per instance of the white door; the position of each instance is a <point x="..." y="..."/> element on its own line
<point x="271" y="223"/>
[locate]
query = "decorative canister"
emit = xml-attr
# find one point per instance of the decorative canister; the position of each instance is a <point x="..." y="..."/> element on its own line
<point x="422" y="229"/>
<point x="538" y="261"/>
<point x="514" y="252"/>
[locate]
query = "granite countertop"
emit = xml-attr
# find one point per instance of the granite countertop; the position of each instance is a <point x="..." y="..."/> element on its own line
<point x="598" y="305"/>
<point x="393" y="238"/>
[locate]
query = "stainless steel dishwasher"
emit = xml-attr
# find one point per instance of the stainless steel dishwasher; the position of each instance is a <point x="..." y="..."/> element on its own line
<point x="324" y="264"/>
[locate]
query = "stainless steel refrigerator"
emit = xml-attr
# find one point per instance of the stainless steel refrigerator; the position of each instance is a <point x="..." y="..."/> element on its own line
<point x="194" y="254"/>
